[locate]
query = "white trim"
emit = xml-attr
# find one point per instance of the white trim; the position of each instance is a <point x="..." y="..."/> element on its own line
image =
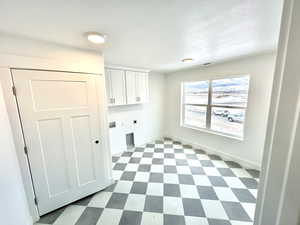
<point x="29" y="62"/>
<point x="56" y="71"/>
<point x="209" y="107"/>
<point x="5" y="79"/>
<point x="129" y="104"/>
<point x="104" y="130"/>
<point x="261" y="211"/>
<point x="292" y="148"/>
<point x="109" y="66"/>
<point x="243" y="162"/>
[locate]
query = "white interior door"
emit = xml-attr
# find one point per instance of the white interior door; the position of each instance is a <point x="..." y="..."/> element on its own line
<point x="61" y="127"/>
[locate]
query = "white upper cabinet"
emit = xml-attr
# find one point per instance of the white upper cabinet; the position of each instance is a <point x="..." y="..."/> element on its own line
<point x="115" y="84"/>
<point x="131" y="87"/>
<point x="142" y="90"/>
<point x="136" y="87"/>
<point x="126" y="87"/>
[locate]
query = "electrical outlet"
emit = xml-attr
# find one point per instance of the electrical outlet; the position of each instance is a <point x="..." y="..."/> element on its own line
<point x="112" y="124"/>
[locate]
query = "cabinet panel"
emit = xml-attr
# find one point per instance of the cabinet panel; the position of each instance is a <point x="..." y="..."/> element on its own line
<point x="116" y="85"/>
<point x="141" y="87"/>
<point x="131" y="87"/>
<point x="109" y="93"/>
<point x="136" y="87"/>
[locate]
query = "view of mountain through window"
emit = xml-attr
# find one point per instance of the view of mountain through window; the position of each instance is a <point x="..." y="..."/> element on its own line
<point x="196" y="100"/>
<point x="218" y="105"/>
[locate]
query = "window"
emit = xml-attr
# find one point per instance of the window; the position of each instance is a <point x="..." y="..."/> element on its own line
<point x="195" y="103"/>
<point x="216" y="105"/>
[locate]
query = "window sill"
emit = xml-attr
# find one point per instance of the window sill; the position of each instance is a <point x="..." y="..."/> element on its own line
<point x="213" y="132"/>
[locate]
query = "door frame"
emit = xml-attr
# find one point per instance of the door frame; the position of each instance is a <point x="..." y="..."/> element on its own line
<point x="280" y="144"/>
<point x="6" y="80"/>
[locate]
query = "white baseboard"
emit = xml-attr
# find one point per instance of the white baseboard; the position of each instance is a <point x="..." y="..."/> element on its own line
<point x="243" y="162"/>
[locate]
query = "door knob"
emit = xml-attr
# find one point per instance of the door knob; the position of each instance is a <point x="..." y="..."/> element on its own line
<point x="97" y="142"/>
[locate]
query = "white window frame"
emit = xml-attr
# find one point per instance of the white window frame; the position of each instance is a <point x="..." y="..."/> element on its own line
<point x="209" y="107"/>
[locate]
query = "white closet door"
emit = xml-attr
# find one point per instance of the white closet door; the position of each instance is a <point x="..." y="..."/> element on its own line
<point x="131" y="87"/>
<point x="141" y="87"/>
<point x="117" y="78"/>
<point x="61" y="126"/>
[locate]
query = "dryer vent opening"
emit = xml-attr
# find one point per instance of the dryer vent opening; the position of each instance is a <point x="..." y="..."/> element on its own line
<point x="130" y="140"/>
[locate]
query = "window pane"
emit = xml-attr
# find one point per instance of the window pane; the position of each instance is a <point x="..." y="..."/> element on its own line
<point x="233" y="92"/>
<point x="229" y="121"/>
<point x="196" y="92"/>
<point x="195" y="116"/>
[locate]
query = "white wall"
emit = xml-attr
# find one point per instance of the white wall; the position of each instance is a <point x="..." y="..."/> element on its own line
<point x="13" y="206"/>
<point x="149" y="116"/>
<point x="249" y="151"/>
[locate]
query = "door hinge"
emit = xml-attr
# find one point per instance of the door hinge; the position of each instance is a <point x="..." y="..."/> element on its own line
<point x="26" y="150"/>
<point x="35" y="201"/>
<point x="14" y="90"/>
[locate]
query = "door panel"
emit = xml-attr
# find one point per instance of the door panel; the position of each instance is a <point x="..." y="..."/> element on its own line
<point x="60" y="118"/>
<point x="54" y="158"/>
<point x="83" y="150"/>
<point x="74" y="94"/>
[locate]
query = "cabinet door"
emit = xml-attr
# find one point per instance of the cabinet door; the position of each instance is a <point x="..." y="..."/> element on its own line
<point x="131" y="87"/>
<point x="142" y="87"/>
<point x="136" y="87"/>
<point x="116" y="86"/>
<point x="109" y="93"/>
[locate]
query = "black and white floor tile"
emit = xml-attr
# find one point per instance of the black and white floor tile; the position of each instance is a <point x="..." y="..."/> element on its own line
<point x="167" y="183"/>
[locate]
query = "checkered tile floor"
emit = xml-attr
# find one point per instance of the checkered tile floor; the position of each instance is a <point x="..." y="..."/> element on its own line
<point x="167" y="183"/>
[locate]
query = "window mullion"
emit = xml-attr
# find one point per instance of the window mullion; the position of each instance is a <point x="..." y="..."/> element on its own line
<point x="208" y="109"/>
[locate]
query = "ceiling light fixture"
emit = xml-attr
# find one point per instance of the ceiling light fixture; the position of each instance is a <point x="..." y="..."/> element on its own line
<point x="95" y="37"/>
<point x="187" y="60"/>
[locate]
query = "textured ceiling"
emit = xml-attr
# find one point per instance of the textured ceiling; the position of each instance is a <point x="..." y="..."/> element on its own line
<point x="153" y="34"/>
